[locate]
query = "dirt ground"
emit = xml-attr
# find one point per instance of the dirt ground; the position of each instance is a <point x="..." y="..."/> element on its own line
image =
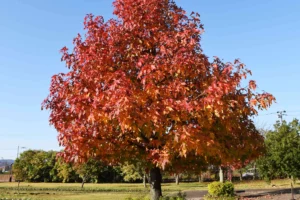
<point x="273" y="197"/>
<point x="259" y="194"/>
<point x="274" y="194"/>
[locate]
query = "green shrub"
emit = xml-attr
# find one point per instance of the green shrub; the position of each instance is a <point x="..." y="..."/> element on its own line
<point x="220" y="198"/>
<point x="217" y="189"/>
<point x="267" y="180"/>
<point x="178" y="196"/>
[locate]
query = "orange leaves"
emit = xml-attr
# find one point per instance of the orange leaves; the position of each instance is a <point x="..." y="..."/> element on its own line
<point x="155" y="143"/>
<point x="210" y="143"/>
<point x="163" y="50"/>
<point x="253" y="102"/>
<point x="91" y="118"/>
<point x="145" y="70"/>
<point x="139" y="64"/>
<point x="183" y="150"/>
<point x="252" y="85"/>
<point x="140" y="86"/>
<point x="159" y="157"/>
<point x="265" y="100"/>
<point x="168" y="108"/>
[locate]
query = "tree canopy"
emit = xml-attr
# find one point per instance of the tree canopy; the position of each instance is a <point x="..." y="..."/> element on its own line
<point x="42" y="166"/>
<point x="282" y="158"/>
<point x="142" y="82"/>
<point x="140" y="87"/>
<point x="35" y="165"/>
<point x="132" y="172"/>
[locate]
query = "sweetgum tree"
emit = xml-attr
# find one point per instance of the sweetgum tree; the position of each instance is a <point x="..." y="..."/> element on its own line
<point x="140" y="88"/>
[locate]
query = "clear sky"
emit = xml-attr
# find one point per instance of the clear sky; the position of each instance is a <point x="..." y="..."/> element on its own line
<point x="263" y="34"/>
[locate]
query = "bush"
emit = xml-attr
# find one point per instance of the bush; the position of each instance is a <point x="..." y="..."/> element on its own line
<point x="178" y="196"/>
<point x="221" y="198"/>
<point x="217" y="189"/>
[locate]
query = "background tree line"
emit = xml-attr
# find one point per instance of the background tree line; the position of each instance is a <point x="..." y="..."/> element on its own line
<point x="281" y="159"/>
<point x="43" y="166"/>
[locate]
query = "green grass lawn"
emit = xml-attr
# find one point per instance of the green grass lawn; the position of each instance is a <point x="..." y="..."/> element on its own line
<point x="90" y="191"/>
<point x="67" y="191"/>
<point x="69" y="195"/>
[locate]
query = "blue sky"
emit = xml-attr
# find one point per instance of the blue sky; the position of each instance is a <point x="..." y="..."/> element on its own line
<point x="263" y="34"/>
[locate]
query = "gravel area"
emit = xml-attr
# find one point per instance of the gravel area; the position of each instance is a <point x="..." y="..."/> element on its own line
<point x="259" y="194"/>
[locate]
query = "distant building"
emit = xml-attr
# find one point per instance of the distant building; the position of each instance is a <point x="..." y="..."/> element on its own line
<point x="4" y="168"/>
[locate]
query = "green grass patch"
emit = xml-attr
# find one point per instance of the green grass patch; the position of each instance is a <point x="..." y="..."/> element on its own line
<point x="90" y="191"/>
<point x="68" y="191"/>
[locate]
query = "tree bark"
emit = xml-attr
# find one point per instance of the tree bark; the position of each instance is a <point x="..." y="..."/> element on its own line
<point x="144" y="180"/>
<point x="18" y="187"/>
<point x="221" y="175"/>
<point x="229" y="174"/>
<point x="254" y="174"/>
<point x="292" y="190"/>
<point x="293" y="179"/>
<point x="241" y="175"/>
<point x="177" y="179"/>
<point x="148" y="178"/>
<point x="155" y="183"/>
<point x="82" y="183"/>
<point x="200" y="178"/>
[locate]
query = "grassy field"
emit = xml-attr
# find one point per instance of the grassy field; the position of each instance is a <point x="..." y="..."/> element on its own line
<point x="67" y="191"/>
<point x="90" y="191"/>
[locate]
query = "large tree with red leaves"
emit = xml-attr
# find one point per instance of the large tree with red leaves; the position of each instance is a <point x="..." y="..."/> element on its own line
<point x="140" y="88"/>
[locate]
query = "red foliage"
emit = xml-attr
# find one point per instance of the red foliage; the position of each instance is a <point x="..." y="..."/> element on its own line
<point x="141" y="87"/>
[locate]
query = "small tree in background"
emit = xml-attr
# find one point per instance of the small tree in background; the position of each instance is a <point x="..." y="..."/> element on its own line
<point x="133" y="172"/>
<point x="19" y="171"/>
<point x="65" y="171"/>
<point x="37" y="165"/>
<point x="88" y="171"/>
<point x="282" y="156"/>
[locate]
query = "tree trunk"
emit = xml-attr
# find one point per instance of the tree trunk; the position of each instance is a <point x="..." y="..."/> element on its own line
<point x="82" y="183"/>
<point x="114" y="176"/>
<point x="229" y="174"/>
<point x="177" y="179"/>
<point x="221" y="175"/>
<point x="241" y="175"/>
<point x="144" y="180"/>
<point x="254" y="174"/>
<point x="292" y="190"/>
<point x="18" y="187"/>
<point x="293" y="180"/>
<point x="200" y="178"/>
<point x="155" y="183"/>
<point x="148" y="178"/>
